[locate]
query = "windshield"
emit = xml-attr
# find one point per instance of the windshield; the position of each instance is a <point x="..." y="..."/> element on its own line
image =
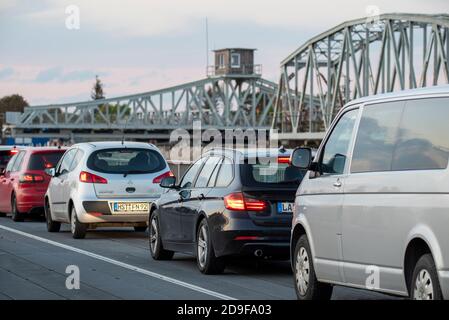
<point x="126" y="161"/>
<point x="264" y="174"/>
<point x="45" y="160"/>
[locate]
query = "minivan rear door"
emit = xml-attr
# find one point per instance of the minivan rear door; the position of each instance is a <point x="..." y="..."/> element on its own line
<point x="128" y="186"/>
<point x="130" y="172"/>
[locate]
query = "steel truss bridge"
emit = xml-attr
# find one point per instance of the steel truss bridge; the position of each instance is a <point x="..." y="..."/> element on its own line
<point x="219" y="102"/>
<point x="357" y="58"/>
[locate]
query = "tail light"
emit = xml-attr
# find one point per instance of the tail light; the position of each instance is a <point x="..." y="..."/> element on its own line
<point x="14" y="151"/>
<point x="88" y="177"/>
<point x="237" y="202"/>
<point x="246" y="238"/>
<point x="283" y="159"/>
<point x="31" y="178"/>
<point x="158" y="179"/>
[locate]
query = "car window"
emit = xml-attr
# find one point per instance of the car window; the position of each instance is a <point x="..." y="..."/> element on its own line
<point x="423" y="135"/>
<point x="335" y="150"/>
<point x="189" y="176"/>
<point x="376" y="137"/>
<point x="226" y="173"/>
<point x="206" y="172"/>
<point x="76" y="160"/>
<point x="126" y="160"/>
<point x="265" y="173"/>
<point x="18" y="162"/>
<point x="213" y="176"/>
<point x="44" y="160"/>
<point x="11" y="163"/>
<point x="66" y="161"/>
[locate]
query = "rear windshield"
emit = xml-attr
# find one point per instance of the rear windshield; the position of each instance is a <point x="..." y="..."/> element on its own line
<point x="42" y="161"/>
<point x="126" y="160"/>
<point x="265" y="174"/>
<point x="4" y="158"/>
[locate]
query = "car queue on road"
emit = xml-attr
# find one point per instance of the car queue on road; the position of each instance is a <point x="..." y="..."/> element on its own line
<point x="373" y="198"/>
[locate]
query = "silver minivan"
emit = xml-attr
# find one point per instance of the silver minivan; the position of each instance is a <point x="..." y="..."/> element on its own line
<point x="373" y="210"/>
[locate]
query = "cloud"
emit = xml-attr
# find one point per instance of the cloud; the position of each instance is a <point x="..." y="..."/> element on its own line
<point x="60" y="75"/>
<point x="80" y="75"/>
<point x="6" y="73"/>
<point x="152" y="18"/>
<point x="48" y="75"/>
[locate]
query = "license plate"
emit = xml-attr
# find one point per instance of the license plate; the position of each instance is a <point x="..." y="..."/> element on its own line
<point x="130" y="207"/>
<point x="285" y="207"/>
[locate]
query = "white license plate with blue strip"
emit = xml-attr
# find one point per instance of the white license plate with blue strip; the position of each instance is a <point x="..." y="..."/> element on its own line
<point x="285" y="207"/>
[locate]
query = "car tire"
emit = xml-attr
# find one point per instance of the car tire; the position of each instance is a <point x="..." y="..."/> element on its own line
<point x="425" y="284"/>
<point x="307" y="285"/>
<point x="206" y="260"/>
<point x="77" y="228"/>
<point x="16" y="215"/>
<point x="52" y="226"/>
<point x="140" y="229"/>
<point x="155" y="240"/>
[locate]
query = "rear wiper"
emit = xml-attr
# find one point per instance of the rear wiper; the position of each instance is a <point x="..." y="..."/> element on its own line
<point x="132" y="172"/>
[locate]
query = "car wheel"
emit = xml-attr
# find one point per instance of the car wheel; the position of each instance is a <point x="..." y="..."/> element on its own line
<point x="52" y="226"/>
<point x="16" y="215"/>
<point x="206" y="260"/>
<point x="306" y="284"/>
<point x="155" y="240"/>
<point x="77" y="228"/>
<point x="425" y="280"/>
<point x="140" y="229"/>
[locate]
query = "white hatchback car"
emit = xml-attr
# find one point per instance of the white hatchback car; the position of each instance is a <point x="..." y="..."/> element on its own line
<point x="104" y="184"/>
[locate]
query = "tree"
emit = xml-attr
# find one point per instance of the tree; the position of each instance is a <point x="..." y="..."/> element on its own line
<point x="11" y="103"/>
<point x="97" y="90"/>
<point x="14" y="102"/>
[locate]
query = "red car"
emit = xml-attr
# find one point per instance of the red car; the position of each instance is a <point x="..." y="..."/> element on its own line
<point x="24" y="182"/>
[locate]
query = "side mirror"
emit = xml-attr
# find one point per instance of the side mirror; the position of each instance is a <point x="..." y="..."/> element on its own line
<point x="301" y="158"/>
<point x="168" y="182"/>
<point x="50" y="171"/>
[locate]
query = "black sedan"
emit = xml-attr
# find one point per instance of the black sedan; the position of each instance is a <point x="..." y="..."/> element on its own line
<point x="228" y="203"/>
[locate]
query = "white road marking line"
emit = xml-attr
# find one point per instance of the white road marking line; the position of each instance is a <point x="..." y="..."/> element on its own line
<point x="122" y="264"/>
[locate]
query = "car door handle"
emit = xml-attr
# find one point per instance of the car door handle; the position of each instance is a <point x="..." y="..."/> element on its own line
<point x="337" y="184"/>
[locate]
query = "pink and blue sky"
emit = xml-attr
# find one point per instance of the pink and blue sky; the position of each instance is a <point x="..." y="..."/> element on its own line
<point x="137" y="46"/>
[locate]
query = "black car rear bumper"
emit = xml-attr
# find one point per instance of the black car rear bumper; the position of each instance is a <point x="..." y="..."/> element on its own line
<point x="268" y="243"/>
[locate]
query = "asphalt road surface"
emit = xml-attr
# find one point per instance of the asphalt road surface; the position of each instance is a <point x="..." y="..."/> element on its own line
<point x="116" y="264"/>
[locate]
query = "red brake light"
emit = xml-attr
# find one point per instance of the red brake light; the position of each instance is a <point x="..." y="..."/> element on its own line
<point x="14" y="151"/>
<point x="88" y="177"/>
<point x="234" y="201"/>
<point x="158" y="179"/>
<point x="255" y="205"/>
<point x="237" y="202"/>
<point x="283" y="159"/>
<point x="245" y="238"/>
<point x="31" y="178"/>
